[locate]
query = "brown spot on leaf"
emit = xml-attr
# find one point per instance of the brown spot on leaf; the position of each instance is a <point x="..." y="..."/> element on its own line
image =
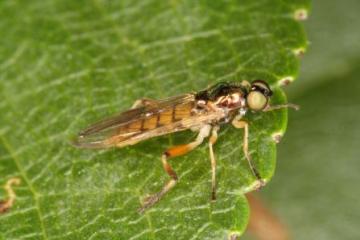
<point x="5" y="205"/>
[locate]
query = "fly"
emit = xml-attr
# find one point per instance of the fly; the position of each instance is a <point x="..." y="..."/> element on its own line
<point x="204" y="112"/>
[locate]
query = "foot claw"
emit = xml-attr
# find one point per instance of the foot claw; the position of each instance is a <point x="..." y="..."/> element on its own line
<point x="148" y="202"/>
<point x="213" y="198"/>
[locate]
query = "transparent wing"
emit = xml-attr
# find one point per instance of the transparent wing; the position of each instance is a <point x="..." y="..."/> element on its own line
<point x="125" y="126"/>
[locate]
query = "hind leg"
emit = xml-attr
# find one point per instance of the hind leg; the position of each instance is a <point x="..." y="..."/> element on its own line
<point x="170" y="153"/>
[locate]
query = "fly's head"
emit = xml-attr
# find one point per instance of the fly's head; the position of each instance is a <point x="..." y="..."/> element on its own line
<point x="258" y="95"/>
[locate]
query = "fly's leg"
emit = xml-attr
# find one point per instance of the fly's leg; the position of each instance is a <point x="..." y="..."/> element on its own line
<point x="144" y="102"/>
<point x="212" y="141"/>
<point x="174" y="152"/>
<point x="243" y="124"/>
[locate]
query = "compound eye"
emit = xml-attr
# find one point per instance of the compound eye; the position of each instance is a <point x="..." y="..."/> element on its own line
<point x="256" y="100"/>
<point x="261" y="86"/>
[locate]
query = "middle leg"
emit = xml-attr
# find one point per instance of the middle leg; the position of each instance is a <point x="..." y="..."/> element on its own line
<point x="212" y="141"/>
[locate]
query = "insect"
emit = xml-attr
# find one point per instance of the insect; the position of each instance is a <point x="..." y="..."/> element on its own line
<point x="203" y="112"/>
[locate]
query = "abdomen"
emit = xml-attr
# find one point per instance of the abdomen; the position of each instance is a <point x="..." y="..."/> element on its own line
<point x="172" y="119"/>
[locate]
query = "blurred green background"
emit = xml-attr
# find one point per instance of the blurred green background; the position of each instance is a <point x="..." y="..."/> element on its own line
<point x="315" y="188"/>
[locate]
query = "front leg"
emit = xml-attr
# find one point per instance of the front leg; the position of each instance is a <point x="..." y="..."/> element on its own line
<point x="238" y="123"/>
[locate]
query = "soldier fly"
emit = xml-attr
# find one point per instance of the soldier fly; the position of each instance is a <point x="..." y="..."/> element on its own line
<point x="203" y="112"/>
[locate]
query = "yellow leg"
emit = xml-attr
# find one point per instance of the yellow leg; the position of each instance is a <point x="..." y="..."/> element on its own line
<point x="212" y="141"/>
<point x="243" y="124"/>
<point x="170" y="153"/>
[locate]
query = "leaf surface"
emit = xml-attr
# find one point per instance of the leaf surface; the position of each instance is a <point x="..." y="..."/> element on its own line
<point x="65" y="64"/>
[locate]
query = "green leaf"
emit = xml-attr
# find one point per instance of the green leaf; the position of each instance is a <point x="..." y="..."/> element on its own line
<point x="65" y="64"/>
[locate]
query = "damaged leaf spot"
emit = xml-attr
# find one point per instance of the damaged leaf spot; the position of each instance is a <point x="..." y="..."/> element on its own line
<point x="286" y="81"/>
<point x="277" y="137"/>
<point x="301" y="14"/>
<point x="234" y="236"/>
<point x="299" y="52"/>
<point x="5" y="205"/>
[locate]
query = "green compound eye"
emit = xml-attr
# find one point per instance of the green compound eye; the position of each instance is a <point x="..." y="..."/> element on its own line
<point x="256" y="100"/>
